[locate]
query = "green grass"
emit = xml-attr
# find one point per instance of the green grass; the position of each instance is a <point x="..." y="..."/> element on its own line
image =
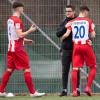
<point x="53" y="98"/>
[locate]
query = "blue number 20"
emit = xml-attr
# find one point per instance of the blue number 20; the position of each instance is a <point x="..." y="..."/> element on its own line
<point x="80" y="32"/>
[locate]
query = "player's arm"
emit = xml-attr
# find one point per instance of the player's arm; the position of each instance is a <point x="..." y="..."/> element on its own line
<point x="68" y="26"/>
<point x="66" y="34"/>
<point x="93" y="33"/>
<point x="22" y="34"/>
<point x="91" y="30"/>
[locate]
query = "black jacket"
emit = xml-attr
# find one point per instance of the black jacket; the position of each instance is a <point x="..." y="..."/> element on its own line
<point x="67" y="44"/>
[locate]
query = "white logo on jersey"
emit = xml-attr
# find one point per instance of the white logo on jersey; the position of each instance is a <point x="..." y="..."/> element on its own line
<point x="17" y="25"/>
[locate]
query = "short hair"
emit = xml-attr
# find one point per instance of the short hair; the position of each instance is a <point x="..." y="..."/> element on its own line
<point x="84" y="8"/>
<point x="17" y="4"/>
<point x="70" y="6"/>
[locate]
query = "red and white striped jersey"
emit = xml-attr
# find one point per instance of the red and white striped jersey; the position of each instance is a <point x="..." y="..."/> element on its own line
<point x="15" y="42"/>
<point x="81" y="28"/>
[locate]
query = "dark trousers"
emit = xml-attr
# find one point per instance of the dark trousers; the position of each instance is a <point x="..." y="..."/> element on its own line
<point x="66" y="59"/>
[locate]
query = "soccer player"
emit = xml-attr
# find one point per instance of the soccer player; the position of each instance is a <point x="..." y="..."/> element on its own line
<point x="66" y="50"/>
<point x="81" y="28"/>
<point x="17" y="58"/>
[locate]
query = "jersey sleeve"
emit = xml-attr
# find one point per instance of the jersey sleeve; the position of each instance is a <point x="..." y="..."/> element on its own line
<point x="91" y="26"/>
<point x="68" y="26"/>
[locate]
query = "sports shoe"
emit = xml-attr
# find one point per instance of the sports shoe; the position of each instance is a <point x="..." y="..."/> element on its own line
<point x="3" y="94"/>
<point x="63" y="93"/>
<point x="10" y="95"/>
<point x="88" y="91"/>
<point x="78" y="91"/>
<point x="37" y="94"/>
<point x="74" y="94"/>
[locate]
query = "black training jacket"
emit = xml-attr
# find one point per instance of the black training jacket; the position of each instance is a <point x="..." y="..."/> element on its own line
<point x="67" y="44"/>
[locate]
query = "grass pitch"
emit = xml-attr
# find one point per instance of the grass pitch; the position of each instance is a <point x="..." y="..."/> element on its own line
<point x="52" y="98"/>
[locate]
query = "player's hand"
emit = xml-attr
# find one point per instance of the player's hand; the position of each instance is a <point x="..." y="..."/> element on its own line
<point x="90" y="42"/>
<point x="29" y="41"/>
<point x="33" y="28"/>
<point x="68" y="24"/>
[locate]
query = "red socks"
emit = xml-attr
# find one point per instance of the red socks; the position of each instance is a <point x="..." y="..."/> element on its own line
<point x="5" y="80"/>
<point x="74" y="79"/>
<point x="28" y="80"/>
<point x="91" y="76"/>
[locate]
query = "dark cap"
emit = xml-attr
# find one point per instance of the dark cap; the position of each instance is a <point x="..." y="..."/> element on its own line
<point x="17" y="4"/>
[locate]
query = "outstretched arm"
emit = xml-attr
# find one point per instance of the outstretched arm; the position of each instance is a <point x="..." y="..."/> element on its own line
<point x="23" y="34"/>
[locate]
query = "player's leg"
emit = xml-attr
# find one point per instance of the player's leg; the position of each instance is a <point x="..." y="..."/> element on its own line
<point x="30" y="84"/>
<point x="28" y="81"/>
<point x="91" y="77"/>
<point x="77" y="61"/>
<point x="91" y="62"/>
<point x="66" y="61"/>
<point x="4" y="81"/>
<point x="7" y="73"/>
<point x="23" y="62"/>
<point x="74" y="81"/>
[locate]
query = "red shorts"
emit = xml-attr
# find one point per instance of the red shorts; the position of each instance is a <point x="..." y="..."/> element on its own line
<point x="81" y="54"/>
<point x="17" y="60"/>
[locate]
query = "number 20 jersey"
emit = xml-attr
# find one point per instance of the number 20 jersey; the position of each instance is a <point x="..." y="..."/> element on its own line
<point x="81" y="28"/>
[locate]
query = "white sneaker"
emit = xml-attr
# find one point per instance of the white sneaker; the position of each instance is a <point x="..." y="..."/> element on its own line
<point x="10" y="95"/>
<point x="3" y="94"/>
<point x="37" y="94"/>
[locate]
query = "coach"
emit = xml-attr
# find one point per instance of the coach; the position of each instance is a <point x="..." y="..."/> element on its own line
<point x="66" y="50"/>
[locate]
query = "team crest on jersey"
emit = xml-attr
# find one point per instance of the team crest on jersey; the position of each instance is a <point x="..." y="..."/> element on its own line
<point x="17" y="25"/>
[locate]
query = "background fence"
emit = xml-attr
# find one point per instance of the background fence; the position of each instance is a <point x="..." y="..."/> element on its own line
<point x="44" y="57"/>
